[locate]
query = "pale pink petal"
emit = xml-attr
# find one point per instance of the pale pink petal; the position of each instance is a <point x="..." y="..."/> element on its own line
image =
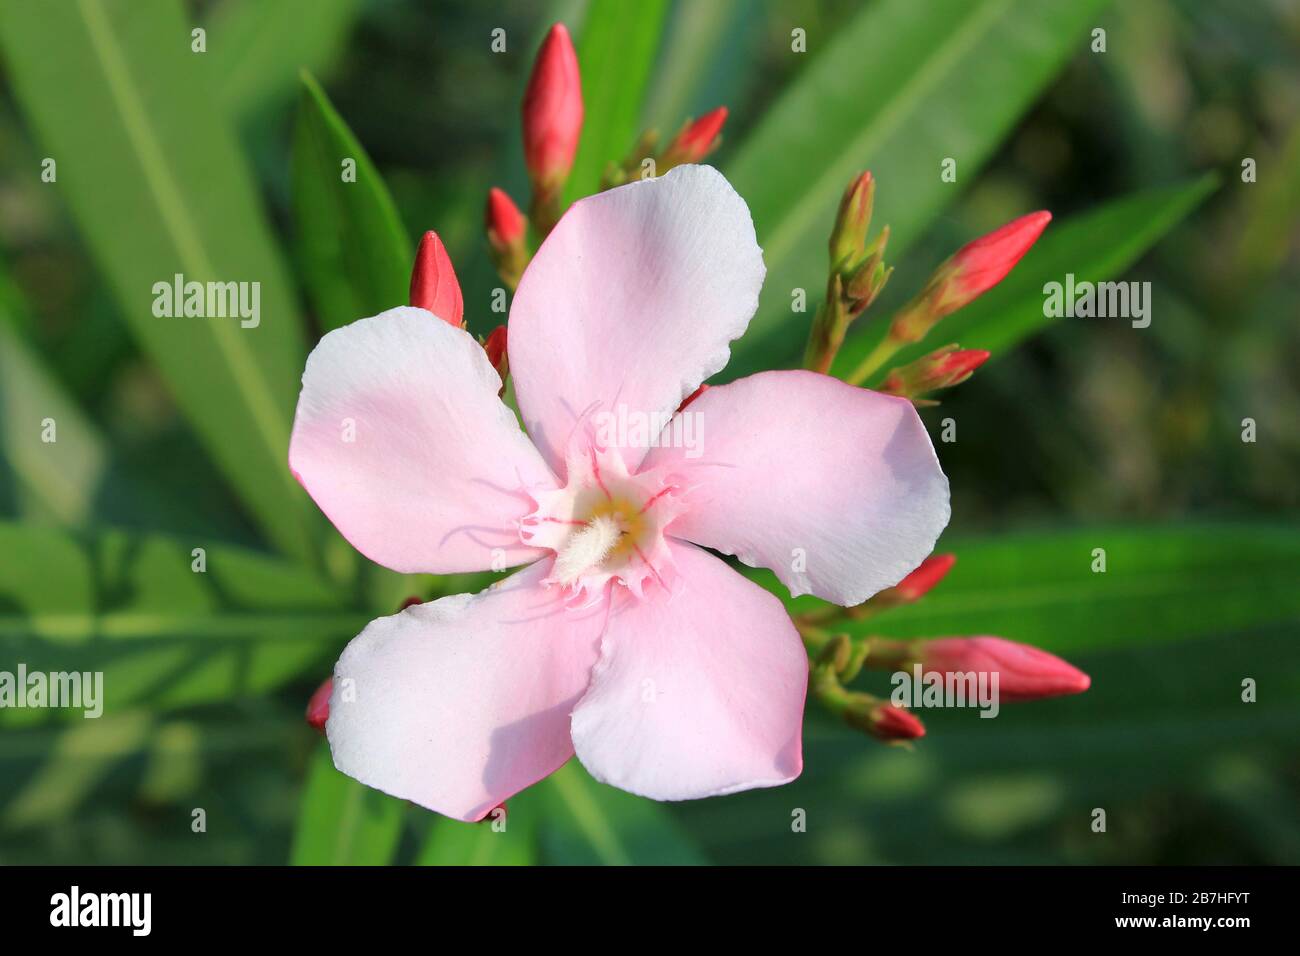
<point x="697" y="693"/>
<point x="459" y="703"/>
<point x="835" y="488"/>
<point x="401" y="440"/>
<point x="632" y="301"/>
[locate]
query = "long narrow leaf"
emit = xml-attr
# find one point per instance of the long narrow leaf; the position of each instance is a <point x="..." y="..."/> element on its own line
<point x="342" y="822"/>
<point x="153" y="176"/>
<point x="353" y="248"/>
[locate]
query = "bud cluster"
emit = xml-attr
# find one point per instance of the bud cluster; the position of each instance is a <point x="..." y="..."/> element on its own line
<point x="1023" y="672"/>
<point x="857" y="273"/>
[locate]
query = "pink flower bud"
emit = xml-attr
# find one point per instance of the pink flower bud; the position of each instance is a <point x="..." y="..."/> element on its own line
<point x="942" y="368"/>
<point x="318" y="707"/>
<point x="696" y="140"/>
<point x="1024" y="672"/>
<point x="433" y="282"/>
<point x="919" y="583"/>
<point x="506" y="225"/>
<point x="552" y="111"/>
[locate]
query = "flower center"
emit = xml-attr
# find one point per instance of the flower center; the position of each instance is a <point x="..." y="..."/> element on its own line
<point x="607" y="540"/>
<point x="603" y="525"/>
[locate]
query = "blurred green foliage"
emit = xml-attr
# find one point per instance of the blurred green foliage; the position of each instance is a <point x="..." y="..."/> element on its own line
<point x="1083" y="434"/>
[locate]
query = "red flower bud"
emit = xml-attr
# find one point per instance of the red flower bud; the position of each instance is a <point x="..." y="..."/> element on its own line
<point x="495" y="346"/>
<point x="696" y="140"/>
<point x="942" y="368"/>
<point x="552" y="111"/>
<point x="919" y="583"/>
<point x="318" y="707"/>
<point x="506" y="225"/>
<point x="879" y="718"/>
<point x="433" y="282"/>
<point x="890" y="723"/>
<point x="970" y="272"/>
<point x="693" y="396"/>
<point x="1024" y="672"/>
<point x="410" y="602"/>
<point x="982" y="264"/>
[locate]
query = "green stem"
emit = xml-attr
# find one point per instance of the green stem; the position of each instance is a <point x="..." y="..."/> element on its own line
<point x="877" y="357"/>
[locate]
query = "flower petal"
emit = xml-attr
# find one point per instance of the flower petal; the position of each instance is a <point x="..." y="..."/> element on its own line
<point x="401" y="440"/>
<point x="462" y="702"/>
<point x="697" y="693"/>
<point x="632" y="301"/>
<point x="835" y="488"/>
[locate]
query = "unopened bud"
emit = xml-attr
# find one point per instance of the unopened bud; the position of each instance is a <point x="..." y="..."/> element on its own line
<point x="433" y="282"/>
<point x="318" y="707"/>
<point x="974" y="269"/>
<point x="695" y="141"/>
<point x="1024" y="672"/>
<point x="883" y="720"/>
<point x="849" y="235"/>
<point x="552" y="111"/>
<point x="693" y="396"/>
<point x="921" y="581"/>
<point x="506" y="225"/>
<point x="942" y="368"/>
<point x="867" y="281"/>
<point x="495" y="346"/>
<point x="507" y="234"/>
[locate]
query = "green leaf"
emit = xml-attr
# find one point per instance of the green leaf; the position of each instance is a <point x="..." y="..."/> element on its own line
<point x="352" y="247"/>
<point x="256" y="49"/>
<point x="453" y="843"/>
<point x="342" y="822"/>
<point x="153" y="177"/>
<point x="1096" y="246"/>
<point x="616" y="53"/>
<point x="902" y="87"/>
<point x="589" y="823"/>
<point x="1161" y="584"/>
<point x="132" y="606"/>
<point x="54" y="479"/>
<point x="708" y="56"/>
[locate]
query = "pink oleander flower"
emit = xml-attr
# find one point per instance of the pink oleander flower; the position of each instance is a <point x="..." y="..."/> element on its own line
<point x="622" y="639"/>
